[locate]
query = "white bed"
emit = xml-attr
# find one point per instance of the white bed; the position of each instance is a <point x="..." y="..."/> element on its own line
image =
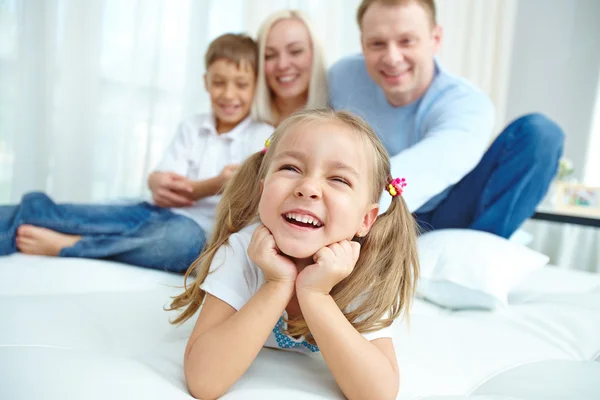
<point x="84" y="329"/>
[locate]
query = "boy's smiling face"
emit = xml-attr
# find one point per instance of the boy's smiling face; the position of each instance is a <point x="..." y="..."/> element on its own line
<point x="231" y="89"/>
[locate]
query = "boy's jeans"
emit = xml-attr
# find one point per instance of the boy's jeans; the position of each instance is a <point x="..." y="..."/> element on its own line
<point x="140" y="234"/>
<point x="508" y="183"/>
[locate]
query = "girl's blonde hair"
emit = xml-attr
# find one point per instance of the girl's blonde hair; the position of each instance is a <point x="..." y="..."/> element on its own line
<point x="318" y="96"/>
<point x="384" y="278"/>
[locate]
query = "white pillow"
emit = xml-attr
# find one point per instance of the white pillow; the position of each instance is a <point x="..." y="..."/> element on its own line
<point x="466" y="269"/>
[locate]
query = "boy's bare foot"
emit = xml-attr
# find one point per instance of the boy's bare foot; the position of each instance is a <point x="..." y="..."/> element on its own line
<point x="41" y="241"/>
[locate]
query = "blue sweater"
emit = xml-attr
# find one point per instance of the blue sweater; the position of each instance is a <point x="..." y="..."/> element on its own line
<point x="433" y="142"/>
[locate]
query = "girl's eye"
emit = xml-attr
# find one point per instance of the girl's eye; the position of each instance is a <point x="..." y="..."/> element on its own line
<point x="341" y="180"/>
<point x="288" y="167"/>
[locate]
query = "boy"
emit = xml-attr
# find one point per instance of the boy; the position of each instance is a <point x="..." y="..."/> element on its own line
<point x="203" y="156"/>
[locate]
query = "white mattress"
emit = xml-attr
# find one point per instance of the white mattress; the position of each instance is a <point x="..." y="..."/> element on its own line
<point x="75" y="329"/>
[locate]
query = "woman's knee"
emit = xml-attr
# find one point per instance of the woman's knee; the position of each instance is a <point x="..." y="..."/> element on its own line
<point x="36" y="198"/>
<point x="184" y="240"/>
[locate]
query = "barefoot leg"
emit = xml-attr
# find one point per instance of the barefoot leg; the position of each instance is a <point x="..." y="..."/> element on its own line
<point x="41" y="241"/>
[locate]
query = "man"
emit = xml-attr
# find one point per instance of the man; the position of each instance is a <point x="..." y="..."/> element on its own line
<point x="437" y="126"/>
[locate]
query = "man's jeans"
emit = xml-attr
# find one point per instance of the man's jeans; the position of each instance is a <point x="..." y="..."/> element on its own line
<point x="139" y="234"/>
<point x="508" y="183"/>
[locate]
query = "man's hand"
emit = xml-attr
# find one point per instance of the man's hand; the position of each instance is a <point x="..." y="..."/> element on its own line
<point x="332" y="264"/>
<point x="264" y="253"/>
<point x="171" y="190"/>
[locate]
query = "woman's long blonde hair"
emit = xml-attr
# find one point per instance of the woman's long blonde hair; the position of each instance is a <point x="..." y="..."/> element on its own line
<point x="387" y="269"/>
<point x="318" y="96"/>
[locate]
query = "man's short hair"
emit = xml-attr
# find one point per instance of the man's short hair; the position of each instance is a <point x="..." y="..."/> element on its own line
<point x="237" y="48"/>
<point x="428" y="5"/>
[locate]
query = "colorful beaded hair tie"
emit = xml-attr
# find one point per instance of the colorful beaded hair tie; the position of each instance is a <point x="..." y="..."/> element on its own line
<point x="267" y="144"/>
<point x="396" y="186"/>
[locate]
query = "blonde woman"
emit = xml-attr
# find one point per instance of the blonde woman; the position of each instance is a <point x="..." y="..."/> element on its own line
<point x="291" y="68"/>
<point x="300" y="260"/>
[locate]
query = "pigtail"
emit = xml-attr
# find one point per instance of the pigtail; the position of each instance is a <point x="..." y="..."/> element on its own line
<point x="241" y="196"/>
<point x="236" y="209"/>
<point x="388" y="265"/>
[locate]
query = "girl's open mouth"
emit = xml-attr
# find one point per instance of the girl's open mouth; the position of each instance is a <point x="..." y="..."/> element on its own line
<point x="305" y="221"/>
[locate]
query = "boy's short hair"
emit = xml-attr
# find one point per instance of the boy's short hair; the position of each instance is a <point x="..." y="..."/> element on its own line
<point x="238" y="48"/>
<point x="428" y="5"/>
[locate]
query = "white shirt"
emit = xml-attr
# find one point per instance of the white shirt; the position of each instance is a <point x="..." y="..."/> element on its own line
<point x="198" y="152"/>
<point x="234" y="279"/>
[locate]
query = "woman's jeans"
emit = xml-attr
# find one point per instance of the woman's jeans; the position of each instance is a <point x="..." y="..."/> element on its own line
<point x="139" y="234"/>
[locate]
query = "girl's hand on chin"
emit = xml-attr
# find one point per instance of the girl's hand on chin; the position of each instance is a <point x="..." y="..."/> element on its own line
<point x="332" y="264"/>
<point x="264" y="252"/>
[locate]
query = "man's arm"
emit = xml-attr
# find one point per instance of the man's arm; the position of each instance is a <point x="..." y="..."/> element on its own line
<point x="458" y="131"/>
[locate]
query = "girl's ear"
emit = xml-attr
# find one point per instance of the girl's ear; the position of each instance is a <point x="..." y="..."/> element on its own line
<point x="368" y="220"/>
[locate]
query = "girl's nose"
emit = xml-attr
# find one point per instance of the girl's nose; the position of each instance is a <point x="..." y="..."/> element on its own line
<point x="308" y="188"/>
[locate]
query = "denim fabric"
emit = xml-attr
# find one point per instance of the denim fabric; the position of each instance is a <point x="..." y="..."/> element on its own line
<point x="509" y="182"/>
<point x="140" y="234"/>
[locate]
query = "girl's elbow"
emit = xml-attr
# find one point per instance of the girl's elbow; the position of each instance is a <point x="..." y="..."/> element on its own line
<point x="383" y="391"/>
<point x="395" y="388"/>
<point x="388" y="391"/>
<point x="384" y="394"/>
<point x="204" y="390"/>
<point x="201" y="395"/>
<point x="202" y="385"/>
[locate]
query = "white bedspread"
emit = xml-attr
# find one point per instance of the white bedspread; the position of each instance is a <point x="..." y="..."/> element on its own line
<point x="84" y="329"/>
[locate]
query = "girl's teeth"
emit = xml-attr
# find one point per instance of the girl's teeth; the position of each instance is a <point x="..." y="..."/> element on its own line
<point x="304" y="219"/>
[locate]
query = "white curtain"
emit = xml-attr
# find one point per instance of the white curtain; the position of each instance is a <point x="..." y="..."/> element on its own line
<point x="91" y="91"/>
<point x="592" y="169"/>
<point x="568" y="245"/>
<point x="478" y="40"/>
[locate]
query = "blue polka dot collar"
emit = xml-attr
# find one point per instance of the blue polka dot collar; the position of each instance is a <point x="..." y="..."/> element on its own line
<point x="286" y="342"/>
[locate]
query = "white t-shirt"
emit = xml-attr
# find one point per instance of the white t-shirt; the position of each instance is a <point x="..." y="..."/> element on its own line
<point x="234" y="279"/>
<point x="198" y="152"/>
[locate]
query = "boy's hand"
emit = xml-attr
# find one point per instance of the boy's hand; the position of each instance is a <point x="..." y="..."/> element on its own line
<point x="264" y="253"/>
<point x="332" y="264"/>
<point x="227" y="172"/>
<point x="171" y="190"/>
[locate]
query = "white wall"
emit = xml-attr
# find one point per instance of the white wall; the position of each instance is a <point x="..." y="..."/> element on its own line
<point x="592" y="169"/>
<point x="554" y="68"/>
